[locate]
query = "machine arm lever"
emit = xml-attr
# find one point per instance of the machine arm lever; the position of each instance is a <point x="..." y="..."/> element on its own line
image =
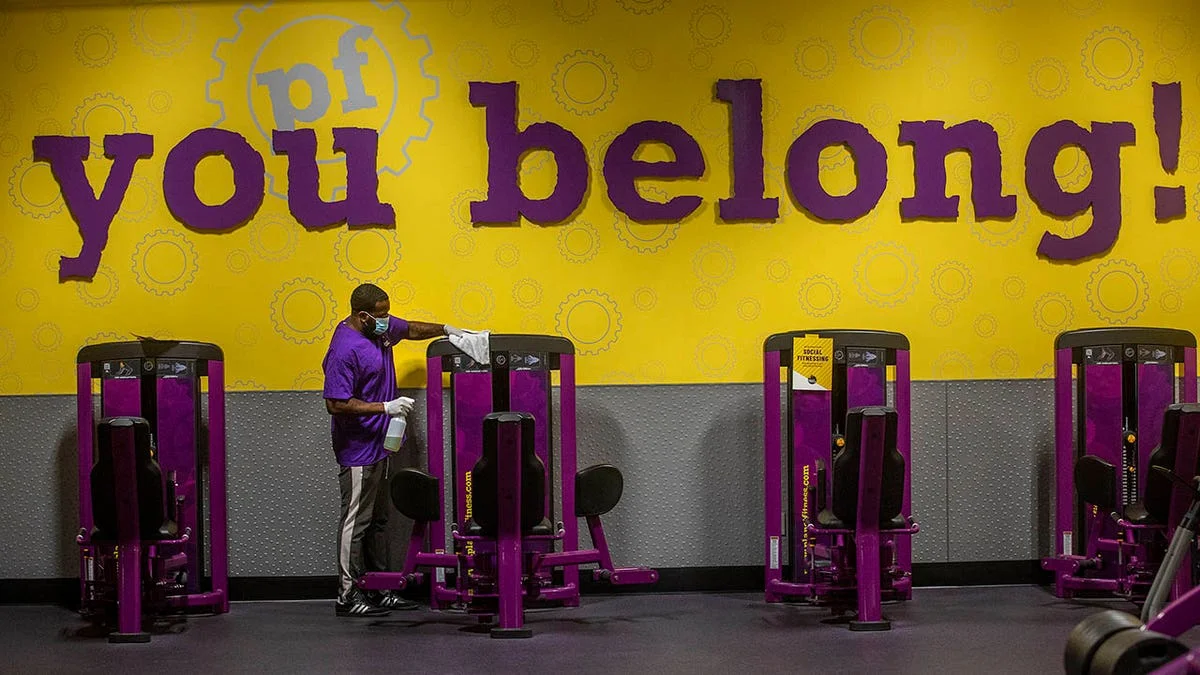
<point x="1192" y="485"/>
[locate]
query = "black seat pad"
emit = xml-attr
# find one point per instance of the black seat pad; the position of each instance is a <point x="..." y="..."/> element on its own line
<point x="416" y="494"/>
<point x="1137" y="514"/>
<point x="1096" y="482"/>
<point x="598" y="489"/>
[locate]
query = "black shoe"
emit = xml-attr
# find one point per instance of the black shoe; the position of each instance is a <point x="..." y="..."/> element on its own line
<point x="359" y="608"/>
<point x="391" y="601"/>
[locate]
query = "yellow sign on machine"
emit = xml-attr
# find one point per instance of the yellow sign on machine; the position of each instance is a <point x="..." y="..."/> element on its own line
<point x="812" y="363"/>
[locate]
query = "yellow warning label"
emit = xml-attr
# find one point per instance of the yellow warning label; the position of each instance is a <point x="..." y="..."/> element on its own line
<point x="812" y="362"/>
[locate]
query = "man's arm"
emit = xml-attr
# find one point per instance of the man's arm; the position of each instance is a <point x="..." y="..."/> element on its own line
<point x="353" y="407"/>
<point x="419" y="330"/>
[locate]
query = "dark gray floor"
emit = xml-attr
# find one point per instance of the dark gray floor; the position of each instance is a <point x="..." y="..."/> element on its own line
<point x="977" y="630"/>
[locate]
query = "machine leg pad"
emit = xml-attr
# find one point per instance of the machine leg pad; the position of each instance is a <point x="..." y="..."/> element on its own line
<point x="511" y="633"/>
<point x="128" y="638"/>
<point x="864" y="626"/>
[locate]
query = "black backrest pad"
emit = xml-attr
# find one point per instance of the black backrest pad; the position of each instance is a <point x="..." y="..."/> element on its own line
<point x="152" y="512"/>
<point x="1157" y="495"/>
<point x="484" y="475"/>
<point x="844" y="500"/>
<point x="416" y="494"/>
<point x="1096" y="482"/>
<point x="597" y="490"/>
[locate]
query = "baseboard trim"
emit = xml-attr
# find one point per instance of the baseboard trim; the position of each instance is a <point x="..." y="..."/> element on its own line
<point x="984" y="573"/>
<point x="737" y="579"/>
<point x="62" y="591"/>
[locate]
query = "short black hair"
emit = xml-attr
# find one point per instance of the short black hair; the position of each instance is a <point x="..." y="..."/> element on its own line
<point x="365" y="297"/>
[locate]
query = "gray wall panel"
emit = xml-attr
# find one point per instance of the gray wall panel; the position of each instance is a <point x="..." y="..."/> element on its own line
<point x="283" y="484"/>
<point x="39" y="494"/>
<point x="691" y="455"/>
<point x="1000" y="445"/>
<point x="692" y="460"/>
<point x="932" y="543"/>
<point x="283" y="494"/>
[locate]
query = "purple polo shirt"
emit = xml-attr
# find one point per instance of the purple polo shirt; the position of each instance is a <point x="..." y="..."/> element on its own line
<point x="360" y="367"/>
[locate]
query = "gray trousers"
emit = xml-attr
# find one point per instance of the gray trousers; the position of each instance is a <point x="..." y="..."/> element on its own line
<point x="362" y="538"/>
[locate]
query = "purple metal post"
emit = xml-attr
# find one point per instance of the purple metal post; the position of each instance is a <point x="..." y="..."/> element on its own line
<point x="772" y="490"/>
<point x="866" y="535"/>
<point x="1064" y="460"/>
<point x="129" y="532"/>
<point x="904" y="446"/>
<point x="217" y="486"/>
<point x="86" y="435"/>
<point x="570" y="541"/>
<point x="509" y="558"/>
<point x="437" y="460"/>
<point x="1189" y="375"/>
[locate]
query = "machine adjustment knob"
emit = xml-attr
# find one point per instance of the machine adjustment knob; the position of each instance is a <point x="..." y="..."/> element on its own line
<point x="1130" y="437"/>
<point x="839" y="442"/>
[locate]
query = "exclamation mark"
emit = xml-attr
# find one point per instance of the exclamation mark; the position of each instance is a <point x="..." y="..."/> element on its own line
<point x="1169" y="202"/>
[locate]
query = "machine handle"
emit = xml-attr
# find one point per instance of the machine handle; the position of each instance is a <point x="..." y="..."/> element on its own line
<point x="1191" y="486"/>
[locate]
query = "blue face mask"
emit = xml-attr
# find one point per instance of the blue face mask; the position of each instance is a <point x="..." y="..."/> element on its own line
<point x="376" y="326"/>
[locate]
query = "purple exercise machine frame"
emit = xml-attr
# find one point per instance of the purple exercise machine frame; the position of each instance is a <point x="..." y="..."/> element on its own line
<point x="160" y="382"/>
<point x="518" y="380"/>
<point x="1111" y="389"/>
<point x="826" y="565"/>
<point x="1183" y="614"/>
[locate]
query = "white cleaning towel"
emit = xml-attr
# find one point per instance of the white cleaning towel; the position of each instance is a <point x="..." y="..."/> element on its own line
<point x="474" y="345"/>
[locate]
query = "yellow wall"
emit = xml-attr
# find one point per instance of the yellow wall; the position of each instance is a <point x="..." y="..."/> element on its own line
<point x="685" y="303"/>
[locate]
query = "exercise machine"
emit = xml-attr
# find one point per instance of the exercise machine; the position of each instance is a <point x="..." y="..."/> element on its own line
<point x="514" y="495"/>
<point x="1116" y="643"/>
<point x="152" y="501"/>
<point x="838" y="498"/>
<point x="1111" y="386"/>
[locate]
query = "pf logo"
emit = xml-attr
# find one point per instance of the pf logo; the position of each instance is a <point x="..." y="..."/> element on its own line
<point x="285" y="69"/>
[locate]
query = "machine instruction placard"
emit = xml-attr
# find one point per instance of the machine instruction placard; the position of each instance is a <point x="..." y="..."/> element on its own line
<point x="461" y="363"/>
<point x="174" y="369"/>
<point x="812" y="363"/>
<point x="528" y="361"/>
<point x="121" y="370"/>
<point x="862" y="357"/>
<point x="1102" y="355"/>
<point x="1155" y="354"/>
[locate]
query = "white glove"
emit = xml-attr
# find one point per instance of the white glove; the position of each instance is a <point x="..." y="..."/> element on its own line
<point x="401" y="406"/>
<point x="451" y="330"/>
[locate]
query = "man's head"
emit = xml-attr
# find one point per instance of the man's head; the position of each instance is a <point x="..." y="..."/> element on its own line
<point x="369" y="307"/>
